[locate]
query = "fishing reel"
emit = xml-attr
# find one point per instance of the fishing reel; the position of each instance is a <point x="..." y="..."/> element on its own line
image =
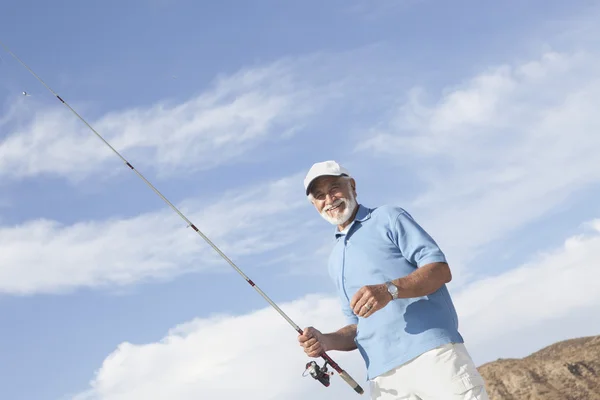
<point x="320" y="374"/>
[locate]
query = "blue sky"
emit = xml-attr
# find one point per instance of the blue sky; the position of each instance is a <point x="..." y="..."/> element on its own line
<point x="478" y="119"/>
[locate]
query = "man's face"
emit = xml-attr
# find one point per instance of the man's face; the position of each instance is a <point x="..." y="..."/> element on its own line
<point x="334" y="198"/>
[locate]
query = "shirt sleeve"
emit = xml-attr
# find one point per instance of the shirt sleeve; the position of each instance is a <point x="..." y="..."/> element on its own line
<point x="416" y="245"/>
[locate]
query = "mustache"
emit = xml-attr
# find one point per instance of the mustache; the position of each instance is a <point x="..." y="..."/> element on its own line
<point x="335" y="204"/>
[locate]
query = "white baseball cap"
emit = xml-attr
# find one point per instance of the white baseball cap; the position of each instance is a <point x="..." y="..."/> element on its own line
<point x="324" y="168"/>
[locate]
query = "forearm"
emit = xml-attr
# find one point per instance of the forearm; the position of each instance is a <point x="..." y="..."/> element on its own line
<point x="341" y="340"/>
<point x="424" y="280"/>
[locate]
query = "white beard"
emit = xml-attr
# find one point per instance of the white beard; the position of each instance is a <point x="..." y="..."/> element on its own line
<point x="349" y="207"/>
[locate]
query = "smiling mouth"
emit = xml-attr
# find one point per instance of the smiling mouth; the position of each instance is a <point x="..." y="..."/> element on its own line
<point x="333" y="208"/>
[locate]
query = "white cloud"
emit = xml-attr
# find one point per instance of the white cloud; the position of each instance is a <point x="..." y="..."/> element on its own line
<point x="538" y="297"/>
<point x="259" y="353"/>
<point x="254" y="356"/>
<point x="239" y="118"/>
<point x="237" y="114"/>
<point x="47" y="256"/>
<point x="500" y="150"/>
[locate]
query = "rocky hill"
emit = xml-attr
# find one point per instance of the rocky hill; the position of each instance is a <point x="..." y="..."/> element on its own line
<point x="568" y="370"/>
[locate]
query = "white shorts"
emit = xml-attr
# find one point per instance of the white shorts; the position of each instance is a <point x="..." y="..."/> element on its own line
<point x="446" y="372"/>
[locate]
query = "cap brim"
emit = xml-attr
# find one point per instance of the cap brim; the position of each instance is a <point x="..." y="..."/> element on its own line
<point x="308" y="188"/>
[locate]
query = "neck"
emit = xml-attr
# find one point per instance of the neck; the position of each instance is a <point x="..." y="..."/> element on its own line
<point x="345" y="224"/>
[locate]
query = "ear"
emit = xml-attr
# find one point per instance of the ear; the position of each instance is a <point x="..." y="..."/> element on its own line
<point x="353" y="185"/>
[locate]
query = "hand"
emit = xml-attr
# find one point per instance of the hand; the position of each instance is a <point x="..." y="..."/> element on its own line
<point x="313" y="342"/>
<point x="370" y="299"/>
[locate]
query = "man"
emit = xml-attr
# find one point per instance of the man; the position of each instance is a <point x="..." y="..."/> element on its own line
<point x="391" y="278"/>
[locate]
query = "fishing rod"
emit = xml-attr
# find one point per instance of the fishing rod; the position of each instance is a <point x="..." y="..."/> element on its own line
<point x="320" y="374"/>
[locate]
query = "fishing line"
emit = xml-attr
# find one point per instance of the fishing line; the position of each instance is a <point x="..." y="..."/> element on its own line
<point x="318" y="373"/>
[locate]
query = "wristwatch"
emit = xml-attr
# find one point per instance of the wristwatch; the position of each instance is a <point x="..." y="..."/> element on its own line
<point x="392" y="289"/>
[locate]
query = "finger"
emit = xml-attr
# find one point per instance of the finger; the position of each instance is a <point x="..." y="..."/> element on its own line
<point x="360" y="295"/>
<point x="357" y="296"/>
<point x="367" y="313"/>
<point x="314" y="347"/>
<point x="303" y="339"/>
<point x="305" y="344"/>
<point x="308" y="334"/>
<point x="360" y="309"/>
<point x="314" y="351"/>
<point x="368" y="307"/>
<point x="309" y="331"/>
<point x="370" y="312"/>
<point x="362" y="312"/>
<point x="360" y="303"/>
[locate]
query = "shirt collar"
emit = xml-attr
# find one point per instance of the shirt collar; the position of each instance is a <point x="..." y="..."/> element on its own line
<point x="362" y="215"/>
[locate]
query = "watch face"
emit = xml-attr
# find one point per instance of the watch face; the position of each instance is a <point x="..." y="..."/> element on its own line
<point x="392" y="288"/>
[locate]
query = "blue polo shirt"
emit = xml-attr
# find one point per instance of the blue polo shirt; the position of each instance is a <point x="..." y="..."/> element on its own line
<point x="382" y="244"/>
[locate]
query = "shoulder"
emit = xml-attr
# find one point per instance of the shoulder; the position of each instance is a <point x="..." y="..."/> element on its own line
<point x="388" y="212"/>
<point x="394" y="218"/>
<point x="388" y="218"/>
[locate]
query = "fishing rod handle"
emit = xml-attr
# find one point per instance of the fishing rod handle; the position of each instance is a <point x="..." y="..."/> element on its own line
<point x="350" y="381"/>
<point x="345" y="376"/>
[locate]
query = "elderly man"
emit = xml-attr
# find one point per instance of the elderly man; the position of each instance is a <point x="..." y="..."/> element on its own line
<point x="391" y="278"/>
